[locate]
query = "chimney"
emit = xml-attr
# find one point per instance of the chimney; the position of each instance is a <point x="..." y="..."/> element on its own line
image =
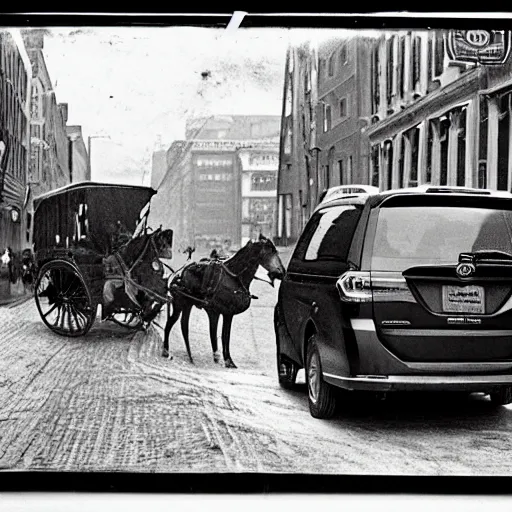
<point x="63" y="107"/>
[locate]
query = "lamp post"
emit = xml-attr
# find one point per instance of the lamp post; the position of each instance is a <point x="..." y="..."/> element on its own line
<point x="89" y="150"/>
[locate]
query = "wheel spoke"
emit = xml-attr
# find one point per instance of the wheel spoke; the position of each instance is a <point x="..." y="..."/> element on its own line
<point x="75" y="316"/>
<point x="70" y="284"/>
<point x="50" y="310"/>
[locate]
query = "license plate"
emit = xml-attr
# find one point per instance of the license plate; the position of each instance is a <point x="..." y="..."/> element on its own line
<point x="464" y="299"/>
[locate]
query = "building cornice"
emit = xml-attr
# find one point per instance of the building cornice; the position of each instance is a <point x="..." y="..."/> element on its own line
<point x="435" y="102"/>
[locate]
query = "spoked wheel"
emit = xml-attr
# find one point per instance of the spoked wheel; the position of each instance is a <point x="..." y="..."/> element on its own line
<point x="128" y="319"/>
<point x="63" y="299"/>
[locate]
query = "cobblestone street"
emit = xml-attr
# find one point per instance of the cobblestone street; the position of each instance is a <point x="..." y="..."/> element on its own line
<point x="109" y="402"/>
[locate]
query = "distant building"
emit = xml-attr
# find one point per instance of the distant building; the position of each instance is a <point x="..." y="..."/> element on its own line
<point x="78" y="160"/>
<point x="209" y="191"/>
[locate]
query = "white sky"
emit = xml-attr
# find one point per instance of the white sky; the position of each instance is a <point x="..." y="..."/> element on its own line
<point x="136" y="83"/>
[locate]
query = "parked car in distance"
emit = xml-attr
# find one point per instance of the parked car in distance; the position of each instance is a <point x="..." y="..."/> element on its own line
<point x="406" y="289"/>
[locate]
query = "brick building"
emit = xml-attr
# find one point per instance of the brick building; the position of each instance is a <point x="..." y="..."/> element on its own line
<point x="205" y="193"/>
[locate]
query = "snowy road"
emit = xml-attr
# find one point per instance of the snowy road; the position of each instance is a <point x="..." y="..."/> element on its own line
<point x="109" y="401"/>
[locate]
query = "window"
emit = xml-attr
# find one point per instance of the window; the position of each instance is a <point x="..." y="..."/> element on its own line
<point x="375" y="165"/>
<point x="333" y="231"/>
<point x="263" y="181"/>
<point x="340" y="172"/>
<point x="331" y="65"/>
<point x="327" y="117"/>
<point x="389" y="69"/>
<point x="503" y="140"/>
<point x="343" y="55"/>
<point x="349" y="170"/>
<point x="461" y="149"/>
<point x="388" y="163"/>
<point x="439" y="53"/>
<point x="343" y="107"/>
<point x="416" y="62"/>
<point x="444" y="127"/>
<point x="403" y="239"/>
<point x="375" y="80"/>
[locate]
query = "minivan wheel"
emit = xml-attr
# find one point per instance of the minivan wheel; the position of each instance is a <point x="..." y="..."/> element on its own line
<point x="503" y="396"/>
<point x="321" y="395"/>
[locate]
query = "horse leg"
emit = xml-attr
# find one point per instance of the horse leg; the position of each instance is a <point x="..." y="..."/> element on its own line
<point x="226" y="333"/>
<point x="214" y="322"/>
<point x="171" y="320"/>
<point x="184" y="328"/>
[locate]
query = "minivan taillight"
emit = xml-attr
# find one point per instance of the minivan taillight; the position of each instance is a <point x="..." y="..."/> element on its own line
<point x="355" y="286"/>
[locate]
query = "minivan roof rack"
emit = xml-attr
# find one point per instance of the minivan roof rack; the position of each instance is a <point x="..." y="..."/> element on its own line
<point x="340" y="191"/>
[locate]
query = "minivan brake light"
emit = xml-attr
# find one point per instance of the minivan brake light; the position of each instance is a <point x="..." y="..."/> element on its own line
<point x="355" y="286"/>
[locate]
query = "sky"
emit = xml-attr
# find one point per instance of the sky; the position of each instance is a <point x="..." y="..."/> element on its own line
<point x="138" y="84"/>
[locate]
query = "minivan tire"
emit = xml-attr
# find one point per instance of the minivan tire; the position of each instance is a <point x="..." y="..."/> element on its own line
<point x="503" y="396"/>
<point x="321" y="395"/>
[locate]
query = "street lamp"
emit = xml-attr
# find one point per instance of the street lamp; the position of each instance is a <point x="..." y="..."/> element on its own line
<point x="89" y="149"/>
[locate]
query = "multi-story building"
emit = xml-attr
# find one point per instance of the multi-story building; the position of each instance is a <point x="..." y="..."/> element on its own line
<point x="394" y="110"/>
<point x="204" y="190"/>
<point x="259" y="164"/>
<point x="436" y="119"/>
<point x="15" y="73"/>
<point x="327" y="100"/>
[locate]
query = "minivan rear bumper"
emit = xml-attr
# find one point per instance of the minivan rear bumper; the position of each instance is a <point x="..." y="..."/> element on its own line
<point x="470" y="383"/>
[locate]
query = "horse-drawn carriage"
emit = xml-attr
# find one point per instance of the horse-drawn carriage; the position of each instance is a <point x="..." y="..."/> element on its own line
<point x="93" y="247"/>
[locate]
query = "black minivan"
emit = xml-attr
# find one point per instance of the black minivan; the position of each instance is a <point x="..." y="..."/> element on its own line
<point x="406" y="289"/>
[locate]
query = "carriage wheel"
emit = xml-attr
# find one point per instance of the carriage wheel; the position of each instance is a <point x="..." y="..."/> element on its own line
<point x="127" y="318"/>
<point x="63" y="299"/>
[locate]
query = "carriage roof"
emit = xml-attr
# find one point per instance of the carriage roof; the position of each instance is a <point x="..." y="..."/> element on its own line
<point x="87" y="211"/>
<point x="92" y="188"/>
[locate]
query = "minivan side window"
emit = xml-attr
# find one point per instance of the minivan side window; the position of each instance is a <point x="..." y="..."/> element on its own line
<point x="333" y="234"/>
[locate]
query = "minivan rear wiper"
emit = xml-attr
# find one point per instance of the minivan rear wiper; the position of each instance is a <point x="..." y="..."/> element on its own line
<point x="485" y="255"/>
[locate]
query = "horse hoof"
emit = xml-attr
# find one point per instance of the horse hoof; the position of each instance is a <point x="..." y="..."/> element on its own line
<point x="165" y="353"/>
<point x="229" y="364"/>
<point x="216" y="357"/>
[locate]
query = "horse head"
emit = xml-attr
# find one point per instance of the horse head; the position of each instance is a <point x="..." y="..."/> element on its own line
<point x="163" y="242"/>
<point x="270" y="260"/>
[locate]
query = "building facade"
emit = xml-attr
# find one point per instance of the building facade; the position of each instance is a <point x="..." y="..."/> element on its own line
<point x="327" y="99"/>
<point x="38" y="152"/>
<point x="214" y="191"/>
<point x="15" y="76"/>
<point x="393" y="110"/>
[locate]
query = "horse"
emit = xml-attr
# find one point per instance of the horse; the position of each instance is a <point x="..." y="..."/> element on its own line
<point x="194" y="286"/>
<point x="136" y="265"/>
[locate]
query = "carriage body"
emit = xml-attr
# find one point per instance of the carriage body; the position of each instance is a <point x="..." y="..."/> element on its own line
<point x="74" y="234"/>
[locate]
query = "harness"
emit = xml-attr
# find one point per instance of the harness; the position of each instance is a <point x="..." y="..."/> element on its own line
<point x="129" y="281"/>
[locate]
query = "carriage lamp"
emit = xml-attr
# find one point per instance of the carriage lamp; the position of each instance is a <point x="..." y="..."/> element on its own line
<point x="15" y="215"/>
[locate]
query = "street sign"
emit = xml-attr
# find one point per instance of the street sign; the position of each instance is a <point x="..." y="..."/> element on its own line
<point x="487" y="47"/>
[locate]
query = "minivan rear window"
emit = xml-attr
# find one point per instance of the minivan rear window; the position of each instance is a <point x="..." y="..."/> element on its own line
<point x="436" y="235"/>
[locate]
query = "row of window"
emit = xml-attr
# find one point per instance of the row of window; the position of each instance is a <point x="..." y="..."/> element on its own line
<point x="396" y="163"/>
<point x="264" y="181"/>
<point x="342" y="113"/>
<point x="336" y="60"/>
<point x="343" y="171"/>
<point x="11" y="66"/>
<point x="407" y="63"/>
<point x="214" y="162"/>
<point x="224" y="176"/>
